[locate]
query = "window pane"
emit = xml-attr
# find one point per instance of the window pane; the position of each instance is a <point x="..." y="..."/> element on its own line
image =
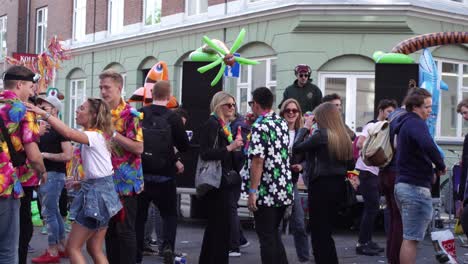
<point x="243" y="104"/>
<point x="273" y="70"/>
<point x="465" y="75"/>
<point x="364" y="102"/>
<point x="258" y="75"/>
<point x="464" y="123"/>
<point x="244" y="73"/>
<point x="39" y="39"/>
<point x="273" y="90"/>
<point x="39" y="16"/>
<point x="448" y="104"/>
<point x="449" y="68"/>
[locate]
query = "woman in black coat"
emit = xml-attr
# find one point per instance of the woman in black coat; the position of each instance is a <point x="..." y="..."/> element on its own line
<point x="217" y="142"/>
<point x="330" y="154"/>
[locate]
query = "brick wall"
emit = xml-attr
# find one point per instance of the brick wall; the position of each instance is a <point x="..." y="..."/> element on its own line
<point x="170" y="7"/>
<point x="133" y="11"/>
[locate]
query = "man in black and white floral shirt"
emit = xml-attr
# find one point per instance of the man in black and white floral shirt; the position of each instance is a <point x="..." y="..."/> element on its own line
<point x="267" y="181"/>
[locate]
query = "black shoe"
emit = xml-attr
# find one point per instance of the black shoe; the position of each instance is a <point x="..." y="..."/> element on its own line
<point x="442" y="257"/>
<point x="153" y="243"/>
<point x="366" y="250"/>
<point x="148" y="251"/>
<point x="375" y="246"/>
<point x="168" y="255"/>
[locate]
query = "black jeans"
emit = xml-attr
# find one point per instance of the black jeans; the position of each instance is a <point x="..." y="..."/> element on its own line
<point x="26" y="225"/>
<point x="164" y="197"/>
<point x="121" y="236"/>
<point x="267" y="221"/>
<point x="326" y="193"/>
<point x="369" y="188"/>
<point x="237" y="236"/>
<point x="216" y="239"/>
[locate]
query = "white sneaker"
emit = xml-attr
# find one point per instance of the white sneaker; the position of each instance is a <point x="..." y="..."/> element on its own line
<point x="234" y="253"/>
<point x="246" y="244"/>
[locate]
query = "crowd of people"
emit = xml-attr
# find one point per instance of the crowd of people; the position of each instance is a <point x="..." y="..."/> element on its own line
<point x="124" y="164"/>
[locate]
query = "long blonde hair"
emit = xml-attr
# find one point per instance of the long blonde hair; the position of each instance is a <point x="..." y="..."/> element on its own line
<point x="298" y="124"/>
<point x="218" y="100"/>
<point x="101" y="118"/>
<point x="328" y="116"/>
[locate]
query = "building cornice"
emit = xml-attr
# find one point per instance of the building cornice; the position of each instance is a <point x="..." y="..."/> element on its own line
<point x="284" y="11"/>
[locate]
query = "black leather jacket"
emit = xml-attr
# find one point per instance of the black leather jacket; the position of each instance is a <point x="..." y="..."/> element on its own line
<point x="322" y="163"/>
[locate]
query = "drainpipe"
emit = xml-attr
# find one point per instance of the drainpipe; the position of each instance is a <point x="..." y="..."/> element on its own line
<point x="28" y="8"/>
<point x="92" y="52"/>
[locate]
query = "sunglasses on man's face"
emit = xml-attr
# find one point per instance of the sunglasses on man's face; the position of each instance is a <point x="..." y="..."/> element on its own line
<point x="303" y="76"/>
<point x="251" y="103"/>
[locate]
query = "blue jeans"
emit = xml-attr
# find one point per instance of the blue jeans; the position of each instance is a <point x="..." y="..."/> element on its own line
<point x="50" y="195"/>
<point x="297" y="225"/>
<point x="9" y="230"/>
<point x="415" y="204"/>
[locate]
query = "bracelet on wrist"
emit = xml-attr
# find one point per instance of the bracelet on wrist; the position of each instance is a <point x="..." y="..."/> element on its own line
<point x="114" y="134"/>
<point x="46" y="116"/>
<point x="251" y="190"/>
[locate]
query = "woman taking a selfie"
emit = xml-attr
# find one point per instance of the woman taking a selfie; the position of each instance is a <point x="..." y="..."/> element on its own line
<point x="330" y="152"/>
<point x="96" y="202"/>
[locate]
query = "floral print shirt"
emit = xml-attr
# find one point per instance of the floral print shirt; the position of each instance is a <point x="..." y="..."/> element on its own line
<point x="23" y="129"/>
<point x="270" y="140"/>
<point x="128" y="173"/>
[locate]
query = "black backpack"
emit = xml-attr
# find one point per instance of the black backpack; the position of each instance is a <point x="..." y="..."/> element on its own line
<point x="157" y="141"/>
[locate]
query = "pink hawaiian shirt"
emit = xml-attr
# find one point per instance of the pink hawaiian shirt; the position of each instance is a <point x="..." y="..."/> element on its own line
<point x="23" y="129"/>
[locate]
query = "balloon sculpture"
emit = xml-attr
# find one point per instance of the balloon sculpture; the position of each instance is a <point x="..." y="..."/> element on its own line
<point x="158" y="72"/>
<point x="217" y="52"/>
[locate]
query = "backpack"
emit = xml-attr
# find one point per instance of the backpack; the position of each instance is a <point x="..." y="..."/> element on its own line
<point x="157" y="141"/>
<point x="377" y="149"/>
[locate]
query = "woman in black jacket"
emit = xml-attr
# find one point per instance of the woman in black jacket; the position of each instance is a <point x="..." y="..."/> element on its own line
<point x="217" y="142"/>
<point x="330" y="152"/>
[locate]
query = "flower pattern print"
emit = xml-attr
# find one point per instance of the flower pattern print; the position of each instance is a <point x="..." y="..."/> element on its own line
<point x="23" y="129"/>
<point x="269" y="140"/>
<point x="128" y="172"/>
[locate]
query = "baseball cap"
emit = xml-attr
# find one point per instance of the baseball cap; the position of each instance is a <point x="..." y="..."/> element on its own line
<point x="54" y="101"/>
<point x="301" y="68"/>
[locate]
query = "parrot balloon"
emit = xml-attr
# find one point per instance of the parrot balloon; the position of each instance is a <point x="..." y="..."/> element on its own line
<point x="158" y="72"/>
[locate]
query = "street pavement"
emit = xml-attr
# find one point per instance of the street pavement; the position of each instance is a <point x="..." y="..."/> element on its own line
<point x="190" y="235"/>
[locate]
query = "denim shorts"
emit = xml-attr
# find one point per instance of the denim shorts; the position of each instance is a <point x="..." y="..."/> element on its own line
<point x="415" y="204"/>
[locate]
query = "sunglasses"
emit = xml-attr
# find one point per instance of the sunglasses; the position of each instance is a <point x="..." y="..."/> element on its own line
<point x="303" y="75"/>
<point x="251" y="103"/>
<point x="45" y="108"/>
<point x="230" y="105"/>
<point x="291" y="111"/>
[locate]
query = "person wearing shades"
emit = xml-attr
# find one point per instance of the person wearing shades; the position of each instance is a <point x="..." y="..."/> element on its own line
<point x="307" y="94"/>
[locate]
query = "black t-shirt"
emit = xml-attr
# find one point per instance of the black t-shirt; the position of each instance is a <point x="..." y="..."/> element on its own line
<point x="51" y="142"/>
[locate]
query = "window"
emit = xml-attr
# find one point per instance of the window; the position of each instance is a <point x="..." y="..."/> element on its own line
<point x="3" y="36"/>
<point x="116" y="15"/>
<point x="196" y="7"/>
<point x="254" y="76"/>
<point x="77" y="97"/>
<point x="450" y="124"/>
<point x="357" y="92"/>
<point x="124" y="77"/>
<point x="152" y="12"/>
<point x="79" y="20"/>
<point x="41" y="30"/>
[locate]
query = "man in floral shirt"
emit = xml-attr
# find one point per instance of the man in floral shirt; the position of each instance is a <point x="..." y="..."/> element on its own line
<point x="127" y="145"/>
<point x="267" y="178"/>
<point x="23" y="132"/>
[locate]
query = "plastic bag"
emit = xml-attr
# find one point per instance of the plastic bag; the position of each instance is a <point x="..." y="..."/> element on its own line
<point x="444" y="241"/>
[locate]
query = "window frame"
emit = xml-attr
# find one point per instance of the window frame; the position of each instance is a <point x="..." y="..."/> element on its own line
<point x="460" y="90"/>
<point x="42" y="24"/>
<point x="71" y="112"/>
<point x="197" y="8"/>
<point x="79" y="13"/>
<point x="248" y="85"/>
<point x="144" y="14"/>
<point x="116" y="27"/>
<point x="4" y="29"/>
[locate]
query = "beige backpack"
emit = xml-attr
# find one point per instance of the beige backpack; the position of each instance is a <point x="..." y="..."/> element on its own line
<point x="377" y="149"/>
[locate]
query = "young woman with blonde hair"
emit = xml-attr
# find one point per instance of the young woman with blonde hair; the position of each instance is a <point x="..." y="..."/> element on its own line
<point x="330" y="154"/>
<point x="97" y="201"/>
<point x="218" y="142"/>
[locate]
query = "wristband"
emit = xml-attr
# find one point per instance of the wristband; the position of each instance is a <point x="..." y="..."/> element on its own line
<point x="252" y="190"/>
<point x="114" y="134"/>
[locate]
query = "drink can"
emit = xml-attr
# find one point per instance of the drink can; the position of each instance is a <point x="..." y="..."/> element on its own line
<point x="180" y="260"/>
<point x="189" y="134"/>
